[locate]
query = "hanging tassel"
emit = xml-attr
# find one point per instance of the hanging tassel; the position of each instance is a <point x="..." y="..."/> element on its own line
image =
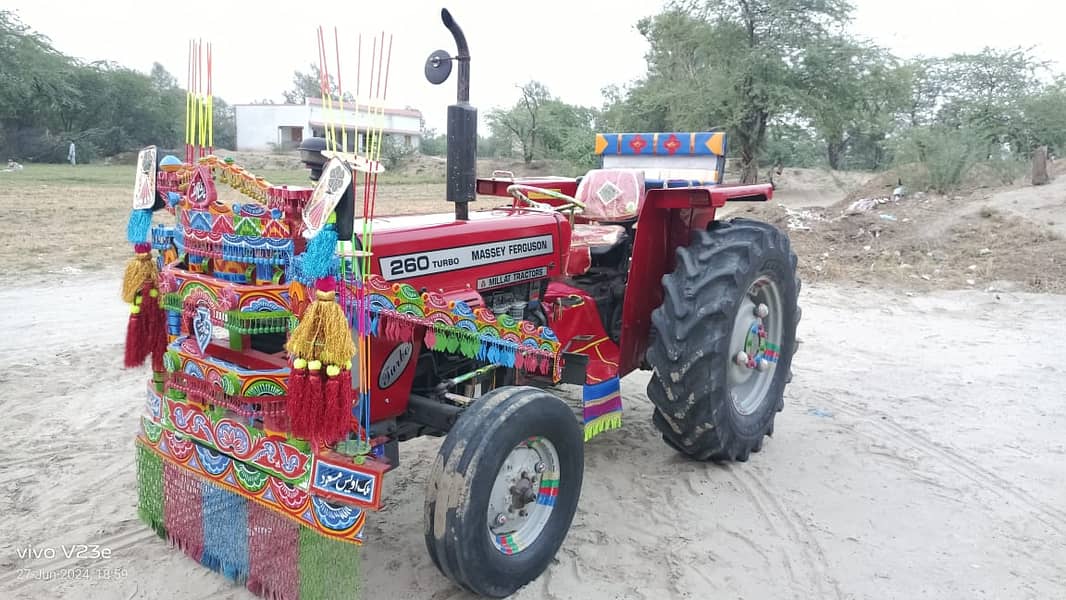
<point x="323" y="337"/>
<point x="136" y="340"/>
<point x="315" y="407"/>
<point x="296" y="399"/>
<point x="319" y="259"/>
<point x="431" y="337"/>
<point x="339" y="411"/>
<point x="323" y="332"/>
<point x="138" y="226"/>
<point x="140" y="269"/>
<point x="156" y="335"/>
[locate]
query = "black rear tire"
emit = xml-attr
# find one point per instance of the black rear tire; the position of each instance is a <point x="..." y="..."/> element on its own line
<point x="457" y="497"/>
<point x="692" y="331"/>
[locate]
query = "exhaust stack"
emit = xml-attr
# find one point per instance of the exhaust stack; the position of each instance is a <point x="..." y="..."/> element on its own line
<point x="462" y="120"/>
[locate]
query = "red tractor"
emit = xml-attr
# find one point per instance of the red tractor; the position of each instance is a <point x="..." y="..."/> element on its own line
<point x="478" y="316"/>
<point x="631" y="270"/>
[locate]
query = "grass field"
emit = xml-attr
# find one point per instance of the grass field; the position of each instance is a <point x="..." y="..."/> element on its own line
<point x="60" y="220"/>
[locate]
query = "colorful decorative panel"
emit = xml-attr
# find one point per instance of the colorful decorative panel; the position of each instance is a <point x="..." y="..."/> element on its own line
<point x="661" y="144"/>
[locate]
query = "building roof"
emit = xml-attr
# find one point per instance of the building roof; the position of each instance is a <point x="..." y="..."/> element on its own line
<point x="400" y="112"/>
<point x="363" y="127"/>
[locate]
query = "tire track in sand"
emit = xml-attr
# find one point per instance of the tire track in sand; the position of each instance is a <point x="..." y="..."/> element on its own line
<point x="1008" y="492"/>
<point x="784" y="524"/>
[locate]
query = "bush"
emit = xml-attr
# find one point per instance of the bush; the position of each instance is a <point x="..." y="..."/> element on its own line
<point x="1007" y="170"/>
<point x="946" y="153"/>
<point x="35" y="145"/>
<point x="394" y="153"/>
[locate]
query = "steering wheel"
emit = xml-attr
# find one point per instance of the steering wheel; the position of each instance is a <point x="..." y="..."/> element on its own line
<point x="520" y="191"/>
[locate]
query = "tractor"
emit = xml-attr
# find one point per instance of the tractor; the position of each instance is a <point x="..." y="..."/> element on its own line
<point x="480" y="317"/>
<point x="630" y="269"/>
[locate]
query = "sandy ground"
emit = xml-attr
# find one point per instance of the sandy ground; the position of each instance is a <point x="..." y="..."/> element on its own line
<point x="920" y="455"/>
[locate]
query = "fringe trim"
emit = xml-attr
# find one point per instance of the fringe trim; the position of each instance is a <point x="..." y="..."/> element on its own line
<point x="603" y="423"/>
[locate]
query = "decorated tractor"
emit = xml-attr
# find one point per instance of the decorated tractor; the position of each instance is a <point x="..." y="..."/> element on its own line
<point x="297" y="338"/>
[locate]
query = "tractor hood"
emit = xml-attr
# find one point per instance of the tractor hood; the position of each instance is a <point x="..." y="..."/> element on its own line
<point x="494" y="248"/>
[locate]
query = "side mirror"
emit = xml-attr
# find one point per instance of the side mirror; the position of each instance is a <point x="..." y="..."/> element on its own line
<point x="438" y="67"/>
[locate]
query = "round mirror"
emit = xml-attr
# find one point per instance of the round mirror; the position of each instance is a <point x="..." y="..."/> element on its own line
<point x="438" y="67"/>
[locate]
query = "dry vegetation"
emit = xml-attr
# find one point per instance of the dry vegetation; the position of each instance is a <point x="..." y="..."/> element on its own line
<point x="927" y="241"/>
<point x="61" y="221"/>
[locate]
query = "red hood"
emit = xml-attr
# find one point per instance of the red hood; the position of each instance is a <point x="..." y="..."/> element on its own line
<point x="494" y="248"/>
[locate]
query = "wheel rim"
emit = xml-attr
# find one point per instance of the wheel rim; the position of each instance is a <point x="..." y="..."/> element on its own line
<point x="523" y="495"/>
<point x="755" y="344"/>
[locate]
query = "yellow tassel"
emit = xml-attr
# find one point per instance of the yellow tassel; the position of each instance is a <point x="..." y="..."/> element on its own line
<point x="323" y="333"/>
<point x="139" y="269"/>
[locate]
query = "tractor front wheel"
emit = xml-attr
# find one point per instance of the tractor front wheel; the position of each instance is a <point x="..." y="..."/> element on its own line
<point x="504" y="489"/>
<point x="723" y="340"/>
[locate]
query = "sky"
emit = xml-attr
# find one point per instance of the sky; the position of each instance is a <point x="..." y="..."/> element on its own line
<point x="575" y="47"/>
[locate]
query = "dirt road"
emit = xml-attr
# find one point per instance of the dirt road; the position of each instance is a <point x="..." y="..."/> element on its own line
<point x="921" y="454"/>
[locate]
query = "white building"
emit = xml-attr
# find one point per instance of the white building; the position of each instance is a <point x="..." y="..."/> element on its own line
<point x="265" y="127"/>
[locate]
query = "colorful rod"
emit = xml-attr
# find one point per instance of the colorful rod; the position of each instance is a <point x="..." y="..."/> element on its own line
<point x="210" y="107"/>
<point x="188" y="106"/>
<point x="340" y="92"/>
<point x="370" y="187"/>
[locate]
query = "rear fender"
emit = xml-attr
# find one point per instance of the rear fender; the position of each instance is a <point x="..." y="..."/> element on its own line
<point x="710" y="196"/>
<point x="664" y="224"/>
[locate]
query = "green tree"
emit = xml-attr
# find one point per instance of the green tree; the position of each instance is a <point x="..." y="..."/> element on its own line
<point x="309" y="85"/>
<point x="728" y="63"/>
<point x="852" y="93"/>
<point x="1044" y="116"/>
<point x="520" y="123"/>
<point x="986" y="92"/>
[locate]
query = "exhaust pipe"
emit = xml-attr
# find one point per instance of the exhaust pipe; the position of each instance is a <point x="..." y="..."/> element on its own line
<point x="462" y="121"/>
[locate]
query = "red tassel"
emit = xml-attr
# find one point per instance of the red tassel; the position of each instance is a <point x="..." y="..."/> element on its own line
<point x="315" y="406"/>
<point x="156" y="333"/>
<point x="431" y="337"/>
<point x="296" y="403"/>
<point x="339" y="411"/>
<point x="136" y="347"/>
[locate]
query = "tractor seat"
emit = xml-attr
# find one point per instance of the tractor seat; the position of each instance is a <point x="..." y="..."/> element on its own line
<point x="610" y="196"/>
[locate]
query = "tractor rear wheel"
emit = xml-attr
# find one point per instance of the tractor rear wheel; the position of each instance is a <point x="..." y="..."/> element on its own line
<point x="504" y="489"/>
<point x="723" y="340"/>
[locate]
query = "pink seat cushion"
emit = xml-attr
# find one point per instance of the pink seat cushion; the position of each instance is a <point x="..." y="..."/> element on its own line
<point x="611" y="194"/>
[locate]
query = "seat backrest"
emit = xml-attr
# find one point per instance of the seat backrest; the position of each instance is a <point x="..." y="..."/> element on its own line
<point x="611" y="195"/>
<point x="668" y="160"/>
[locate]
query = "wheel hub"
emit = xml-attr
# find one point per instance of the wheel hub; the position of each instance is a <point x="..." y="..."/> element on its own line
<point x="523" y="495"/>
<point x="755" y="344"/>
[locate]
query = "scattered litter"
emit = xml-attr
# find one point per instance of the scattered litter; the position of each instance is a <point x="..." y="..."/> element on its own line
<point x="904" y="266"/>
<point x="926" y="277"/>
<point x="970" y="282"/>
<point x="863" y="205"/>
<point x="798" y="219"/>
<point x="866" y="248"/>
<point x="972" y="267"/>
<point x="888" y="217"/>
<point x="985" y="252"/>
<point x="820" y="412"/>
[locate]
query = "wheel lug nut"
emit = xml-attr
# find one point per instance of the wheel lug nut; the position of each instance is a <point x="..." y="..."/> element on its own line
<point x="762" y="311"/>
<point x="762" y="364"/>
<point x="501" y="519"/>
<point x="742" y="358"/>
<point x="540" y="467"/>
